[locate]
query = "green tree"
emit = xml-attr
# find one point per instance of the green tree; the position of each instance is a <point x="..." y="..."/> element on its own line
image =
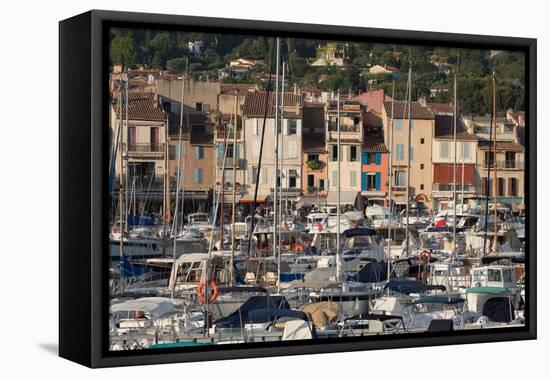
<point x="123" y="51"/>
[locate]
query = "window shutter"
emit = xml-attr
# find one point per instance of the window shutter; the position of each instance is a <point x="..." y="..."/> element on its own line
<point x="378" y="158"/>
<point x="237" y="149"/>
<point x="378" y="181"/>
<point x="363" y="181"/>
<point x="363" y="157"/>
<point x="411" y="154"/>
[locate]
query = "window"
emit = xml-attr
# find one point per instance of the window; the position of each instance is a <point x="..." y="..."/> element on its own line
<point x="197" y="175"/>
<point x="256" y="147"/>
<point x="292" y="175"/>
<point x="199" y="152"/>
<point x="500" y="189"/>
<point x="334" y="153"/>
<point x="510" y="159"/>
<point x="254" y="174"/>
<point x="370" y="158"/>
<point x="513" y="187"/>
<point x="488" y="159"/>
<point x="198" y="106"/>
<point x="399" y="178"/>
<point x="264" y="175"/>
<point x="398" y="124"/>
<point x="322" y="184"/>
<point x="292" y="150"/>
<point x="411" y="154"/>
<point x="444" y="150"/>
<point x="494" y="275"/>
<point x="421" y="140"/>
<point x="484" y="186"/>
<point x="334" y="182"/>
<point x="310" y="181"/>
<point x="400" y="152"/>
<point x="291" y="126"/>
<point x="465" y="151"/>
<point x="312" y="157"/>
<point x="371" y="181"/>
<point x="421" y="186"/>
<point x="353" y="153"/>
<point x="421" y="165"/>
<point x="353" y="178"/>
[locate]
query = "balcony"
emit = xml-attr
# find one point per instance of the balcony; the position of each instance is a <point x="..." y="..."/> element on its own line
<point x="315" y="165"/>
<point x="333" y="126"/>
<point x="220" y="134"/>
<point x="241" y="163"/>
<point x="505" y="164"/>
<point x="149" y="150"/>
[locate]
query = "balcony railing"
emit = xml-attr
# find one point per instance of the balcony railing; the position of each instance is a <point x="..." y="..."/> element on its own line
<point x="450" y="187"/>
<point x="505" y="164"/>
<point x="241" y="163"/>
<point x="333" y="126"/>
<point x="146" y="147"/>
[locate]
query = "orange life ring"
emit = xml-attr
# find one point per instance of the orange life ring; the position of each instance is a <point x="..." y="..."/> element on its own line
<point x="298" y="248"/>
<point x="215" y="291"/>
<point x="424" y="257"/>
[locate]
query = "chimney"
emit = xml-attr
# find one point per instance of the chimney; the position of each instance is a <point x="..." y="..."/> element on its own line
<point x="422" y="100"/>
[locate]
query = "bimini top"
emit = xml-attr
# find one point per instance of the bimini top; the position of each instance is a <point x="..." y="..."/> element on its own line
<point x="156" y="306"/>
<point x="359" y="231"/>
<point x="264" y="315"/>
<point x="408" y="287"/>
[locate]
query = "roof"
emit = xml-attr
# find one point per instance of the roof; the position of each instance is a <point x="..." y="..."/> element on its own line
<point x="372" y="99"/>
<point x="141" y="107"/>
<point x="438" y="108"/>
<point x="241" y="89"/>
<point x="313" y="143"/>
<point x="372" y="119"/>
<point x="374" y="143"/>
<point x="485" y="145"/>
<point x="255" y="104"/>
<point x="189" y="119"/>
<point x="444" y="129"/>
<point x="401" y="110"/>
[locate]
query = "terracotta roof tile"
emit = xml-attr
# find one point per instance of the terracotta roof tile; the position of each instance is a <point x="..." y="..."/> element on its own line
<point x="374" y="143"/>
<point x="141" y="107"/>
<point x="401" y="110"/>
<point x="242" y="89"/>
<point x="444" y="129"/>
<point x="255" y="102"/>
<point x="484" y="145"/>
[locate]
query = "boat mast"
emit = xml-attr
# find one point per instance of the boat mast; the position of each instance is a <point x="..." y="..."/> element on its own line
<point x="282" y="115"/>
<point x="338" y="267"/>
<point x="121" y="185"/>
<point x="454" y="167"/>
<point x="407" y="189"/>
<point x="178" y="174"/>
<point x="232" y="269"/>
<point x="390" y="176"/>
<point x="276" y="160"/>
<point x="182" y="151"/>
<point x="495" y="193"/>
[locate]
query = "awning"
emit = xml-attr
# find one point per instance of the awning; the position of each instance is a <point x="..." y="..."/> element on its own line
<point x="249" y="198"/>
<point x="373" y="194"/>
<point x="347" y="197"/>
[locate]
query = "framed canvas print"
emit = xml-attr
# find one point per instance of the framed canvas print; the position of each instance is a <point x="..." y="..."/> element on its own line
<point x="234" y="188"/>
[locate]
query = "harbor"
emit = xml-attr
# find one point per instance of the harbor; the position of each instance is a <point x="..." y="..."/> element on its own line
<point x="266" y="210"/>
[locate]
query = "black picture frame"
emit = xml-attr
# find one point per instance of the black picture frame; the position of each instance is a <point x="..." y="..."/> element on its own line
<point x="83" y="141"/>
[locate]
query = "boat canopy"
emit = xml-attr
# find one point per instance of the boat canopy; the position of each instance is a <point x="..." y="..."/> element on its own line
<point x="359" y="231"/>
<point x="156" y="306"/>
<point x="409" y="286"/>
<point x="264" y="315"/>
<point x="322" y="313"/>
<point x="241" y="316"/>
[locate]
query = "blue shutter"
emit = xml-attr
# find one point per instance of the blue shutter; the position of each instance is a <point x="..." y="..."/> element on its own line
<point x="378" y="181"/>
<point x="363" y="181"/>
<point x="377" y="158"/>
<point x="364" y="157"/>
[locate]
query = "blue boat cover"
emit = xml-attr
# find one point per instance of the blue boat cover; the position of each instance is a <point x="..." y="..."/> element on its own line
<point x="127" y="269"/>
<point x="288" y="277"/>
<point x="408" y="287"/>
<point x="351" y="232"/>
<point x="372" y="272"/>
<point x="136" y="220"/>
<point x="240" y="317"/>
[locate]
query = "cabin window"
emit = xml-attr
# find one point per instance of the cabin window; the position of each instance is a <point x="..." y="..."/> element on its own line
<point x="494" y="275"/>
<point x="507" y="275"/>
